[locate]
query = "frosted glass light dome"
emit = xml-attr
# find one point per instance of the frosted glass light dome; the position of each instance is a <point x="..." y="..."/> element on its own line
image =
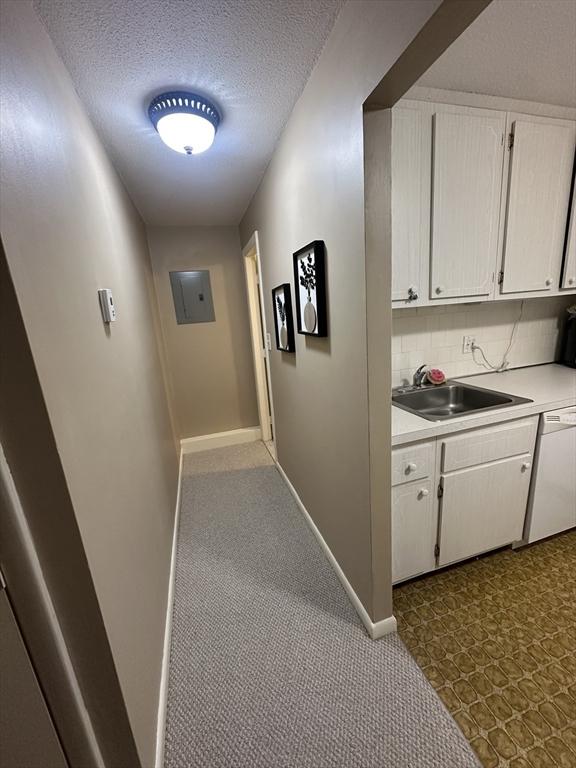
<point x="186" y="122"/>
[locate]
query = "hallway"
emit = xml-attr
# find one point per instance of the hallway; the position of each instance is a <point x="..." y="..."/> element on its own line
<point x="270" y="665"/>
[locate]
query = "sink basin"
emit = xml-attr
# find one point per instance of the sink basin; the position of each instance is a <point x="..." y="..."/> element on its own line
<point x="452" y="399"/>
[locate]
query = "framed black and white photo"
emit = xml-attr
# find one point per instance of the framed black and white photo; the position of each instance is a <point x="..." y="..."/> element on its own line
<point x="283" y="321"/>
<point x="310" y="286"/>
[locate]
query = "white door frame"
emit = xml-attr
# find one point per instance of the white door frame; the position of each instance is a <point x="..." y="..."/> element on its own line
<point x="253" y="272"/>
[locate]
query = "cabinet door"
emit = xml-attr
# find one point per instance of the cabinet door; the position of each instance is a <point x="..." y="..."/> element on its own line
<point x="468" y="152"/>
<point x="483" y="508"/>
<point x="411" y="151"/>
<point x="569" y="273"/>
<point x="414" y="529"/>
<point x="539" y="177"/>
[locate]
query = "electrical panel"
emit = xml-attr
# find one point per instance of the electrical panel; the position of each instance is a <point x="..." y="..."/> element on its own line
<point x="192" y="296"/>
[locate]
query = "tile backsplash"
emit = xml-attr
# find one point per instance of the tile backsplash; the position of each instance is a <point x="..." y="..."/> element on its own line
<point x="433" y="335"/>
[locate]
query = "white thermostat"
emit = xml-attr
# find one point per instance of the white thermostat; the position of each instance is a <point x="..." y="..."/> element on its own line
<point x="107" y="305"/>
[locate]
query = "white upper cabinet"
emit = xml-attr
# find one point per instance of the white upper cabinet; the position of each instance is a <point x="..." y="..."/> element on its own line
<point x="569" y="273"/>
<point x="467" y="160"/>
<point x="411" y="149"/>
<point x="479" y="204"/>
<point x="541" y="160"/>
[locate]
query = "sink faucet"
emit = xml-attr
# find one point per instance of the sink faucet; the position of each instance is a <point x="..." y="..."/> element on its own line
<point x="418" y="378"/>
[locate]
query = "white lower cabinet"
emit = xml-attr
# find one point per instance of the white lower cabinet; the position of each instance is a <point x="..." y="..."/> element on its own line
<point x="414" y="511"/>
<point x="483" y="508"/>
<point x="414" y="529"/>
<point x="460" y="495"/>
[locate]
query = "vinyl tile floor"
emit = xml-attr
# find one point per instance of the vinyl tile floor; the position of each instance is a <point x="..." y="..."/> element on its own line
<point x="496" y="637"/>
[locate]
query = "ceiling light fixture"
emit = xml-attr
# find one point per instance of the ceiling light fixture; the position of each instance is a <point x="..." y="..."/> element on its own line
<point x="186" y="122"/>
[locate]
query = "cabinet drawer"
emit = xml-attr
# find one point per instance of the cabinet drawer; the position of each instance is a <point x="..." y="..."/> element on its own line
<point x="412" y="463"/>
<point x="509" y="439"/>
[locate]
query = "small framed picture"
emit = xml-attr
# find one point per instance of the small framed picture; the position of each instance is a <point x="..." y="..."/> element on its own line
<point x="283" y="320"/>
<point x="310" y="286"/>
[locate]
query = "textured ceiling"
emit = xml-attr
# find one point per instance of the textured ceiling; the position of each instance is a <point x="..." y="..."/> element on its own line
<point x="252" y="57"/>
<point x="522" y="49"/>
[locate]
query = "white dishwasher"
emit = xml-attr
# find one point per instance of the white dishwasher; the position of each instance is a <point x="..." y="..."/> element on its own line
<point x="552" y="502"/>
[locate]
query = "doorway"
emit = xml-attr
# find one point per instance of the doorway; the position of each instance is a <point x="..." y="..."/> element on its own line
<point x="261" y="340"/>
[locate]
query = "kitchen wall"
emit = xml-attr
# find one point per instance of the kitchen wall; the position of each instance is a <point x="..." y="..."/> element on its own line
<point x="433" y="335"/>
<point x="314" y="189"/>
<point x="69" y="228"/>
<point x="210" y="365"/>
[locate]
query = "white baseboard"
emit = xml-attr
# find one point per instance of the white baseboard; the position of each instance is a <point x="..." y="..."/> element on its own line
<point x="163" y="695"/>
<point x="220" y="439"/>
<point x="375" y="629"/>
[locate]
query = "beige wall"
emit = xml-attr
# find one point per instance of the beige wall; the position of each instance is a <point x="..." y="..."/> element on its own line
<point x="210" y="365"/>
<point x="314" y="189"/>
<point x="27" y="442"/>
<point x="68" y="229"/>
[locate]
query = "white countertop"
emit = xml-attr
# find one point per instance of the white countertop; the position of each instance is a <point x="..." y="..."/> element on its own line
<point x="549" y="386"/>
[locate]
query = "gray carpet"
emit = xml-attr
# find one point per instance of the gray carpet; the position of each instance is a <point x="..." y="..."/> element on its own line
<point x="270" y="666"/>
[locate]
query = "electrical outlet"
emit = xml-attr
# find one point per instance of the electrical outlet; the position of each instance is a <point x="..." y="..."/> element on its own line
<point x="467" y="344"/>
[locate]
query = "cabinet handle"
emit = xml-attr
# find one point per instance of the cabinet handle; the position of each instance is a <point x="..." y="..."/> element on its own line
<point x="548" y="281"/>
<point x="570" y="281"/>
<point x="526" y="466"/>
<point x="423" y="492"/>
<point x="412" y="293"/>
<point x="439" y="289"/>
<point x="411" y="468"/>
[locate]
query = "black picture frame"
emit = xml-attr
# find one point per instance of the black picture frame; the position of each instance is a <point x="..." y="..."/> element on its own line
<point x="310" y="285"/>
<point x="283" y="319"/>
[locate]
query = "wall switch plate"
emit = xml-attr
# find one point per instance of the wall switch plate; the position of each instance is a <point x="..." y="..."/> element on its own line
<point x="107" y="305"/>
<point x="467" y="344"/>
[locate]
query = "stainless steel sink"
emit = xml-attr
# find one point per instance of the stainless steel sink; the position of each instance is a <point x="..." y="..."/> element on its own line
<point x="437" y="403"/>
